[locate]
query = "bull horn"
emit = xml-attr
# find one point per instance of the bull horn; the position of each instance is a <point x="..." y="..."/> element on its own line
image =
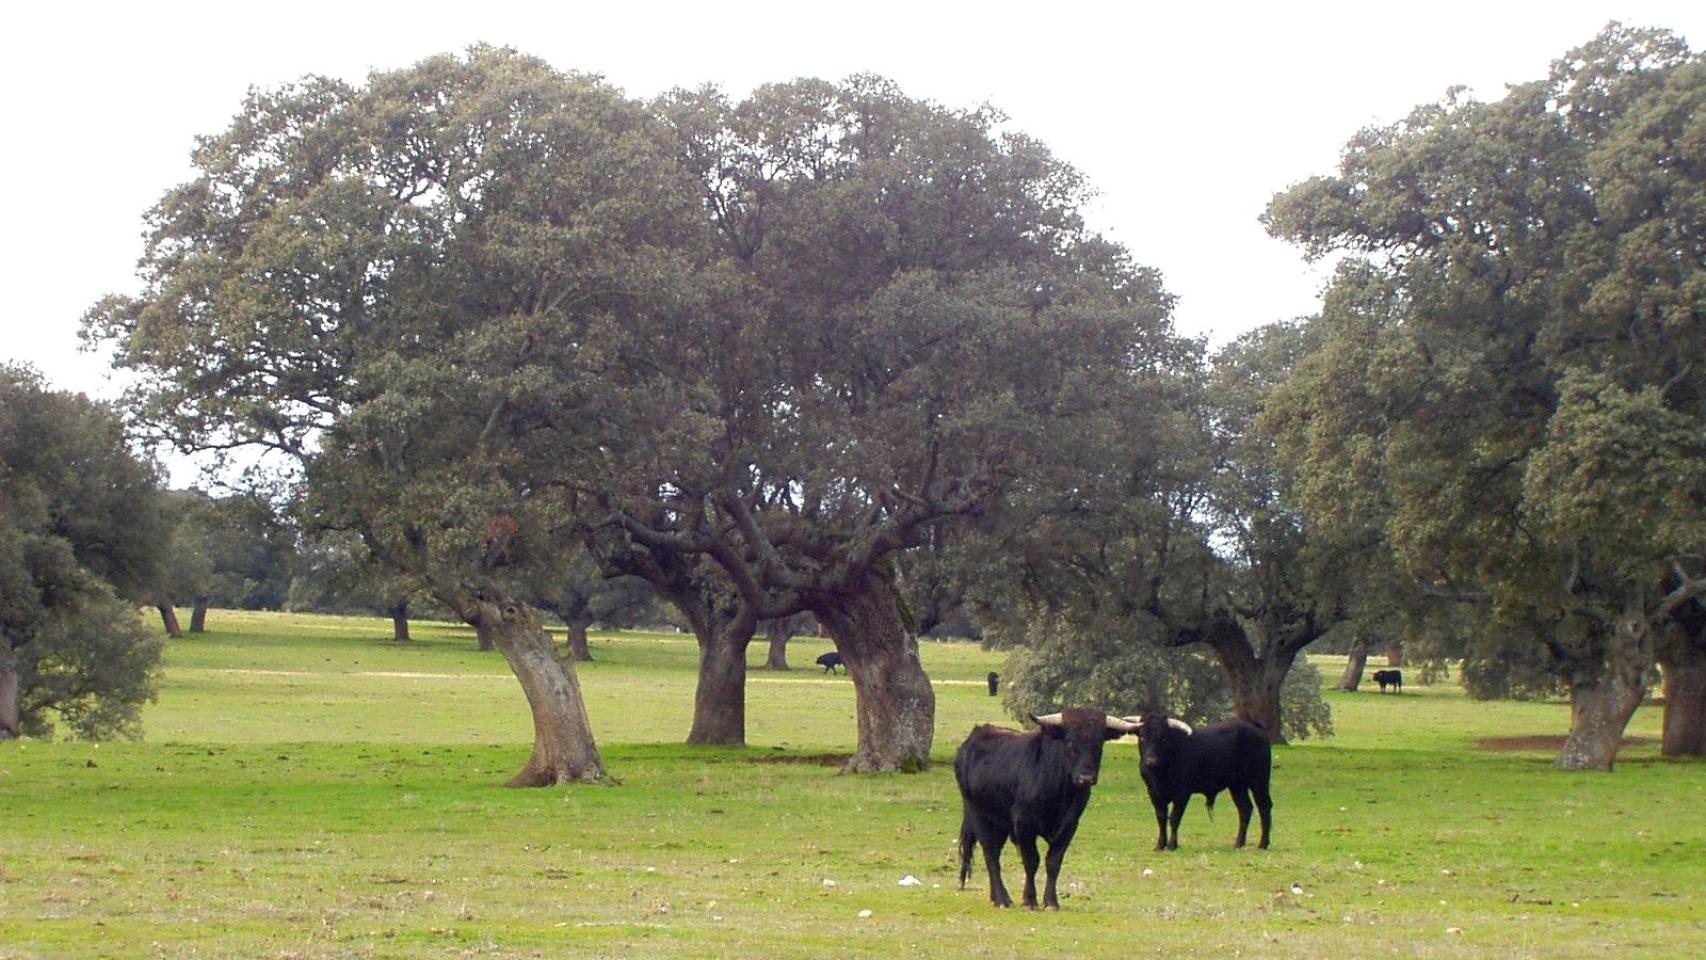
<point x="1179" y="725"/>
<point x="1047" y="720"/>
<point x="1121" y="725"/>
<point x="1134" y="721"/>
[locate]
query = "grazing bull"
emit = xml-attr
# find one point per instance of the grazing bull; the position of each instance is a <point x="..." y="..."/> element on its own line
<point x="830" y="661"/>
<point x="1390" y="678"/>
<point x="1177" y="761"/>
<point x="1028" y="786"/>
<point x="994" y="683"/>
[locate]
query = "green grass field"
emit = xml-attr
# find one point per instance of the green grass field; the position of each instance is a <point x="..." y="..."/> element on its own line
<point x="309" y="789"/>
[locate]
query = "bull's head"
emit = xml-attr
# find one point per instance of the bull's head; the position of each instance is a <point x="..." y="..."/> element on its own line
<point x="1083" y="732"/>
<point x="1158" y="736"/>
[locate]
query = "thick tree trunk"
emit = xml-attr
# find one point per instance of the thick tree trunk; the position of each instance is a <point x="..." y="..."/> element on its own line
<point x="895" y="704"/>
<point x="400" y="621"/>
<point x="1599" y="712"/>
<point x="484" y="637"/>
<point x="198" y="616"/>
<point x="563" y="747"/>
<point x="719" y="700"/>
<point x="1351" y="679"/>
<point x="723" y="633"/>
<point x="778" y="631"/>
<point x="1685" y="700"/>
<point x="580" y="649"/>
<point x="10" y="697"/>
<point x="1256" y="699"/>
<point x="1395" y="652"/>
<point x="1600" y="707"/>
<point x="169" y="618"/>
<point x="1256" y="681"/>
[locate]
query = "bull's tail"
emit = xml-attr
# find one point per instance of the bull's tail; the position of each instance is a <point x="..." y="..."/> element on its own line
<point x="968" y="842"/>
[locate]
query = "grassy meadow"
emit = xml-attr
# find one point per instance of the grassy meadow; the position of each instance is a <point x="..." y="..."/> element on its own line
<point x="309" y="789"/>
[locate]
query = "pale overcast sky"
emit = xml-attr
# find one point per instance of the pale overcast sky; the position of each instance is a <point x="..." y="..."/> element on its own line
<point x="1186" y="118"/>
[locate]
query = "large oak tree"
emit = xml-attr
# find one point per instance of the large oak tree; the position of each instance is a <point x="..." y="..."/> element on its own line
<point x="1170" y="523"/>
<point x="1511" y="383"/>
<point x="900" y="305"/>
<point x="395" y="285"/>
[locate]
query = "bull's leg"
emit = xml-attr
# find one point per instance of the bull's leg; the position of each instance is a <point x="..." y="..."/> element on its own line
<point x="1027" y="844"/>
<point x="1161" y="823"/>
<point x="967" y="838"/>
<point x="1265" y="807"/>
<point x="1241" y="800"/>
<point x="992" y="844"/>
<point x="1173" y="821"/>
<point x="1056" y="854"/>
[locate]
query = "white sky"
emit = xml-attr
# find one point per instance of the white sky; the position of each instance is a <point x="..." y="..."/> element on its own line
<point x="1185" y="117"/>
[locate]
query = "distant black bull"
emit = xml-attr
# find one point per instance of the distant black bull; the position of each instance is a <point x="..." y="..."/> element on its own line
<point x="830" y="661"/>
<point x="1177" y="761"/>
<point x="994" y="683"/>
<point x="1390" y="678"/>
<point x="1027" y="786"/>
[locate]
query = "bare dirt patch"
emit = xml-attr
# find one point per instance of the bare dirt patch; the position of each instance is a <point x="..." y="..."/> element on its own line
<point x="808" y="759"/>
<point x="388" y="674"/>
<point x="1520" y="744"/>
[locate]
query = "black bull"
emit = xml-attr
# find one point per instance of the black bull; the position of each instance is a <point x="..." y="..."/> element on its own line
<point x="1177" y="762"/>
<point x="1029" y="786"/>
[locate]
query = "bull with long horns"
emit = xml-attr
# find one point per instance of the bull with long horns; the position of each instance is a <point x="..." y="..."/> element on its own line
<point x="1029" y="786"/>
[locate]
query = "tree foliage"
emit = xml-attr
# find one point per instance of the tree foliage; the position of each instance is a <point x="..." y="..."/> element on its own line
<point x="1123" y="668"/>
<point x="1509" y="388"/>
<point x="81" y="538"/>
<point x="396" y="285"/>
<point x="232" y="551"/>
<point x="337" y="573"/>
<point x="901" y="307"/>
<point x="1172" y="524"/>
<point x="487" y="307"/>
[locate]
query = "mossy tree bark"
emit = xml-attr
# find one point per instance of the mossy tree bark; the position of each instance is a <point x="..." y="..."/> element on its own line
<point x="1602" y="701"/>
<point x="10" y="694"/>
<point x="400" y="621"/>
<point x="564" y="750"/>
<point x="169" y="619"/>
<point x="1351" y="680"/>
<point x="1683" y="657"/>
<point x="895" y="703"/>
<point x="777" y="632"/>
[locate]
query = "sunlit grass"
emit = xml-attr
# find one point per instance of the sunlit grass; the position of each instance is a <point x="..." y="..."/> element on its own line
<point x="311" y="789"/>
